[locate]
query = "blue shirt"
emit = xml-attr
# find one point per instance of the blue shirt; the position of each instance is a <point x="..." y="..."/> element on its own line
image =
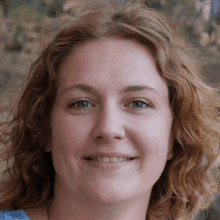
<point x="13" y="215"/>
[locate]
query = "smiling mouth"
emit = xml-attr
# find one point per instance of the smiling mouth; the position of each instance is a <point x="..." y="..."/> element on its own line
<point x="109" y="159"/>
<point x="111" y="164"/>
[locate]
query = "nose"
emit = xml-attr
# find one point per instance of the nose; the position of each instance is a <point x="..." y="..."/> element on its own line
<point x="109" y="126"/>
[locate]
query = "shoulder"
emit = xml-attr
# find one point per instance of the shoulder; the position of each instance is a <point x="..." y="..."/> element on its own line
<point x="13" y="215"/>
<point x="25" y="214"/>
<point x="37" y="214"/>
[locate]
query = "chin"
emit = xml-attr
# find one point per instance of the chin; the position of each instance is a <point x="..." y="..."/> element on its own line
<point x="109" y="195"/>
<point x="111" y="198"/>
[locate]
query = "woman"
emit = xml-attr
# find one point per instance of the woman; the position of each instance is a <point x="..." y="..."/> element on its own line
<point x="114" y="122"/>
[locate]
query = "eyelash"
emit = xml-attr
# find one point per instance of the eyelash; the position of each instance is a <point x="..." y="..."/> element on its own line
<point x="83" y="109"/>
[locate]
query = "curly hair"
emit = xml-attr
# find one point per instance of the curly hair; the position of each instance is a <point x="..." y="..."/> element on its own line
<point x="188" y="183"/>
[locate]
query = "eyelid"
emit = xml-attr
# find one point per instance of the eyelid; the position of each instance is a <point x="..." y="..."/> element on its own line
<point x="80" y="100"/>
<point x="149" y="105"/>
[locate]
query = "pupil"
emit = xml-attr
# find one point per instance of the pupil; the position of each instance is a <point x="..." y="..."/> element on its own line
<point x="137" y="104"/>
<point x="83" y="105"/>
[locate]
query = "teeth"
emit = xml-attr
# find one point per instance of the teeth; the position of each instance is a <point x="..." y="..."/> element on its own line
<point x="109" y="159"/>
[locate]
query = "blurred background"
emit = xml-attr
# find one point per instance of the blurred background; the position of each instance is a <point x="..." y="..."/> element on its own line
<point x="197" y="23"/>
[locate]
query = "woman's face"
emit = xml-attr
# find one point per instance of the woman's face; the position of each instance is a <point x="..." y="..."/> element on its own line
<point x="122" y="108"/>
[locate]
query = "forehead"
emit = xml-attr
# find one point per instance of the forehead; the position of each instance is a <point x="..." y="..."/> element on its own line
<point x="111" y="62"/>
<point x="119" y="52"/>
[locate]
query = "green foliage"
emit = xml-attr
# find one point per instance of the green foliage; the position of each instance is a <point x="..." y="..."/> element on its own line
<point x="184" y="2"/>
<point x="19" y="32"/>
<point x="155" y="1"/>
<point x="52" y="1"/>
<point x="28" y="14"/>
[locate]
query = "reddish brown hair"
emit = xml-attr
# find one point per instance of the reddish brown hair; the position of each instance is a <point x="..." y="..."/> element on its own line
<point x="187" y="184"/>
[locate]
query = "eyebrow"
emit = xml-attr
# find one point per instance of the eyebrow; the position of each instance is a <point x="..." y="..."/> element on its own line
<point x="90" y="89"/>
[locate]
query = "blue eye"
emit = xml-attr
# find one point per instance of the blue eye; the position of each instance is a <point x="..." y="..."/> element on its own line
<point x="140" y="103"/>
<point x="83" y="104"/>
<point x="78" y="104"/>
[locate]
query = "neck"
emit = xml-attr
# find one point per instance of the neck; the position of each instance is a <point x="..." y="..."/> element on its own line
<point x="78" y="210"/>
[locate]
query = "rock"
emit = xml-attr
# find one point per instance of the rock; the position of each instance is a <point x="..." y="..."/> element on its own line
<point x="3" y="28"/>
<point x="1" y="13"/>
<point x="2" y="45"/>
<point x="32" y="48"/>
<point x="179" y="40"/>
<point x="11" y="28"/>
<point x="218" y="42"/>
<point x="46" y="20"/>
<point x="4" y="81"/>
<point x="212" y="74"/>
<point x="213" y="37"/>
<point x="3" y="38"/>
<point x="23" y="57"/>
<point x="30" y="37"/>
<point x="214" y="49"/>
<point x="207" y="10"/>
<point x="29" y="25"/>
<point x="15" y="46"/>
<point x="49" y="1"/>
<point x="198" y="27"/>
<point x="204" y="39"/>
<point x="5" y="103"/>
<point x="33" y="57"/>
<point x="156" y="5"/>
<point x="37" y="28"/>
<point x="218" y="31"/>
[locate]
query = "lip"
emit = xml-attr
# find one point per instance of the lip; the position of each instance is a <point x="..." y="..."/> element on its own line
<point x="104" y="154"/>
<point x="109" y="166"/>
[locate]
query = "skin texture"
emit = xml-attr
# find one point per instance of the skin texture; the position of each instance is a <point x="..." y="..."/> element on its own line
<point x="37" y="214"/>
<point x="123" y="124"/>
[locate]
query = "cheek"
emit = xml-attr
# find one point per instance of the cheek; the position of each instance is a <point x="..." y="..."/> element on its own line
<point x="157" y="130"/>
<point x="68" y="138"/>
<point x="69" y="130"/>
<point x="154" y="150"/>
<point x="155" y="138"/>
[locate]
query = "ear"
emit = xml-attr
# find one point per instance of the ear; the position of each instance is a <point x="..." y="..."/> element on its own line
<point x="48" y="148"/>
<point x="170" y="155"/>
<point x="170" y="150"/>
